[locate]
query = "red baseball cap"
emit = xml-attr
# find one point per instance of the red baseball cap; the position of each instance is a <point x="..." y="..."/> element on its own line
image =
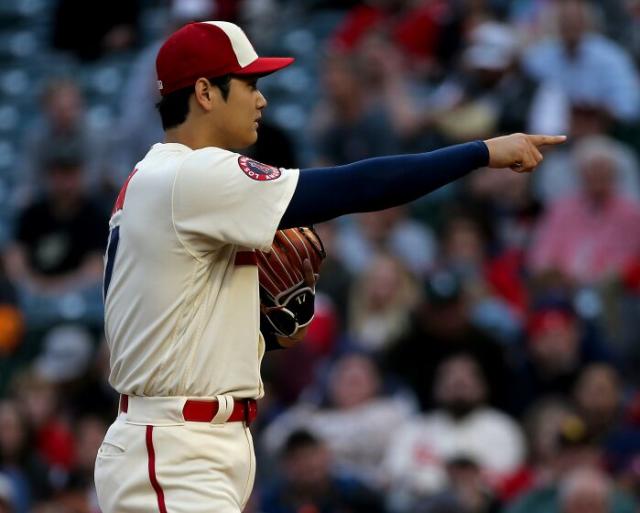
<point x="209" y="49"/>
<point x="548" y="320"/>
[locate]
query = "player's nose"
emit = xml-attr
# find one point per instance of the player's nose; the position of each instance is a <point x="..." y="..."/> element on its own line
<point x="262" y="101"/>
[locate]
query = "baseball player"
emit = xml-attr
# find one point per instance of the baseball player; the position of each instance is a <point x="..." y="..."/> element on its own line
<point x="181" y="285"/>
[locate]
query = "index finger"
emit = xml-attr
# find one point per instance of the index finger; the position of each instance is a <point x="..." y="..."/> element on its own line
<point x="545" y="140"/>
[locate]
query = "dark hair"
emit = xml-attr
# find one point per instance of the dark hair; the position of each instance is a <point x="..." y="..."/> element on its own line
<point x="299" y="439"/>
<point x="62" y="153"/>
<point x="174" y="107"/>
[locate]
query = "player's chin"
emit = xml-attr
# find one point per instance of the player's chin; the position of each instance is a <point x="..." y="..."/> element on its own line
<point x="252" y="137"/>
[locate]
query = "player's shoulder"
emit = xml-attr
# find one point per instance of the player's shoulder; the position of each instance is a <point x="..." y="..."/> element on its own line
<point x="224" y="161"/>
<point x="210" y="156"/>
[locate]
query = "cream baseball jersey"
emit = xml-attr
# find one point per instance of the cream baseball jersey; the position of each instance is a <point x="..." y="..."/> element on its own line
<point x="180" y="284"/>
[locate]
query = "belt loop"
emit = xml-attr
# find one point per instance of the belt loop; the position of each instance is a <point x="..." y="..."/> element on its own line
<point x="225" y="409"/>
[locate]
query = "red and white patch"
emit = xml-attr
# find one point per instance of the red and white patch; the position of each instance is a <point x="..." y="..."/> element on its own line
<point x="257" y="170"/>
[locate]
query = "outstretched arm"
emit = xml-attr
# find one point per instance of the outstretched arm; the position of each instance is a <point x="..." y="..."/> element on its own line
<point x="384" y="182"/>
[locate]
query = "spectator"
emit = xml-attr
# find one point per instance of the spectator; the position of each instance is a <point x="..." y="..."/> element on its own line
<point x="65" y="354"/>
<point x="381" y="301"/>
<point x="309" y="483"/>
<point x="60" y="238"/>
<point x="78" y="493"/>
<point x="509" y="203"/>
<point x="487" y="93"/>
<point x="577" y="452"/>
<point x="440" y="327"/>
<point x="510" y="209"/>
<point x="354" y="422"/>
<point x="599" y="399"/>
<point x="542" y="423"/>
<point x="23" y="471"/>
<point x="558" y="177"/>
<point x="346" y="127"/>
<point x="592" y="235"/>
<point x="462" y="426"/>
<point x="586" y="491"/>
<point x="558" y="344"/>
<point x="468" y="492"/>
<point x="493" y="94"/>
<point x="52" y="435"/>
<point x="586" y="66"/>
<point x="493" y="287"/>
<point x="414" y="27"/>
<point x="392" y="231"/>
<point x="63" y="124"/>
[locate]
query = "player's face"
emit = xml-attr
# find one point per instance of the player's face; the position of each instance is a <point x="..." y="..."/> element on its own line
<point x="239" y="117"/>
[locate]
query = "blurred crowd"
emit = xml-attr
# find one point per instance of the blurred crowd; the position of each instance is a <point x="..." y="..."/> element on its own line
<point x="477" y="351"/>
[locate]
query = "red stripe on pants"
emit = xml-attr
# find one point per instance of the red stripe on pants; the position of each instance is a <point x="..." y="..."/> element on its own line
<point x="152" y="471"/>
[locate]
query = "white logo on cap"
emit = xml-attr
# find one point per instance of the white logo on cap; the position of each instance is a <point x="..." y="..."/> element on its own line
<point x="160" y="85"/>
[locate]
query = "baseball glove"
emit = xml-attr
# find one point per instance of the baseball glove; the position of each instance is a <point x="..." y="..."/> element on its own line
<point x="287" y="285"/>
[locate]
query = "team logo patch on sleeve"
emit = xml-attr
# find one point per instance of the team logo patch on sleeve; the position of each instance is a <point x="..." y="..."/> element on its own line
<point x="258" y="171"/>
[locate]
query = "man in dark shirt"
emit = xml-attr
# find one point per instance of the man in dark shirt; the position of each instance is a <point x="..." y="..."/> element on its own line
<point x="310" y="484"/>
<point x="440" y="328"/>
<point x="59" y="238"/>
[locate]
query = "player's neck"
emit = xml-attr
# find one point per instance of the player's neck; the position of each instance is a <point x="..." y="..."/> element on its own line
<point x="193" y="136"/>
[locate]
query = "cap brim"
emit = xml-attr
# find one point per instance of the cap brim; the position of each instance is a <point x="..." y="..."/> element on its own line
<point x="265" y="65"/>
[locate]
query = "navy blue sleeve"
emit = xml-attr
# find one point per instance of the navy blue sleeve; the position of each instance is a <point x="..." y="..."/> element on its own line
<point x="378" y="183"/>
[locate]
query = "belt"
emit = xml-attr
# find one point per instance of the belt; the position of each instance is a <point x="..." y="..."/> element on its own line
<point x="203" y="411"/>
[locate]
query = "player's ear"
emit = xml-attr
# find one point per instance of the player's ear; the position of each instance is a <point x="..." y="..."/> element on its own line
<point x="206" y="94"/>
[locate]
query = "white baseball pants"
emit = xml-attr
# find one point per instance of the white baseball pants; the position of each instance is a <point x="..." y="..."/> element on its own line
<point x="152" y="461"/>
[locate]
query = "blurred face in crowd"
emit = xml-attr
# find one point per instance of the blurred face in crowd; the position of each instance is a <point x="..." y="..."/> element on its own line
<point x="64" y="106"/>
<point x="378" y="59"/>
<point x="464" y="244"/>
<point x="66" y="183"/>
<point x="470" y="484"/>
<point x="377" y="226"/>
<point x="339" y="80"/>
<point x="587" y="120"/>
<point x="13" y="432"/>
<point x="598" y="393"/>
<point x="585" y="491"/>
<point x="502" y="188"/>
<point x="39" y="399"/>
<point x="554" y="342"/>
<point x="307" y="468"/>
<point x="573" y="21"/>
<point x="460" y="386"/>
<point x="446" y="319"/>
<point x="543" y="425"/>
<point x="354" y="381"/>
<point x="598" y="178"/>
<point x="576" y="447"/>
<point x="384" y="283"/>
